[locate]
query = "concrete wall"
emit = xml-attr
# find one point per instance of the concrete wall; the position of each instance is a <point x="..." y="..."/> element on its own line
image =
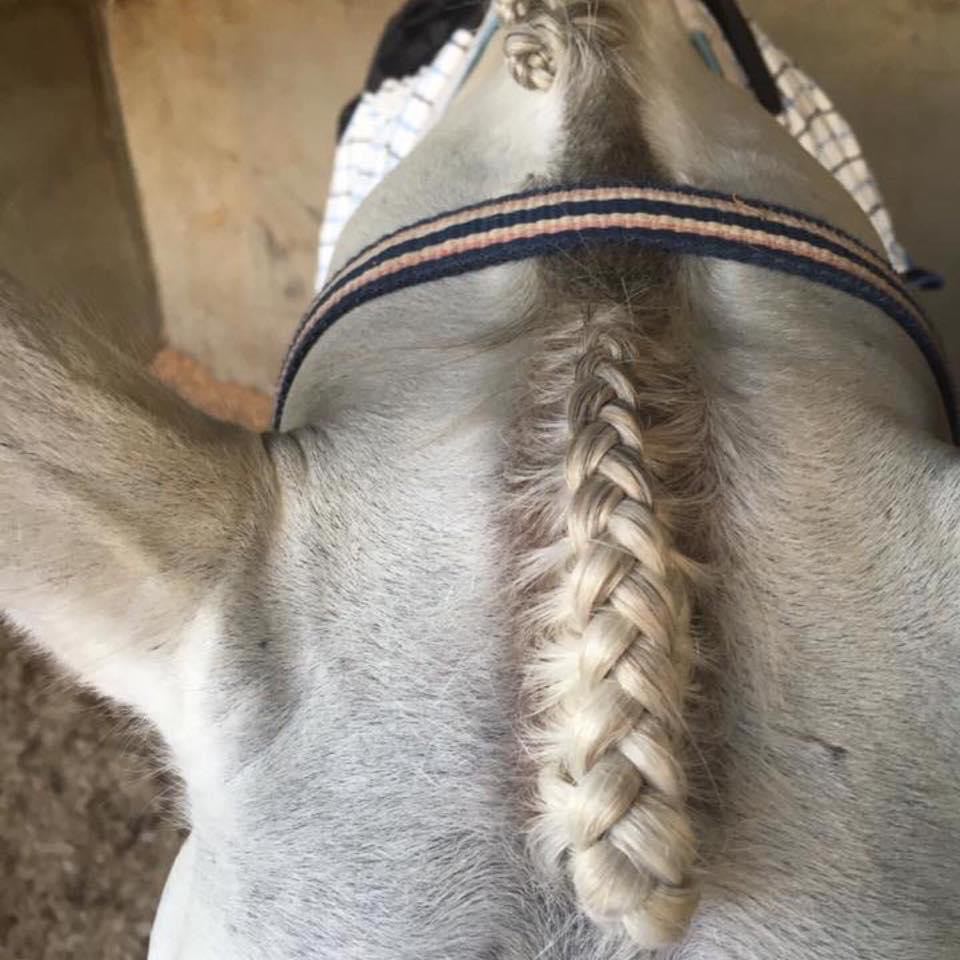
<point x="68" y="210"/>
<point x="230" y="109"/>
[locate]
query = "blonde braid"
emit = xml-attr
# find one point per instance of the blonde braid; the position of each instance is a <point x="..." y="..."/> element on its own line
<point x="531" y="45"/>
<point x="615" y="673"/>
<point x="612" y="632"/>
<point x="613" y="638"/>
<point x="540" y="32"/>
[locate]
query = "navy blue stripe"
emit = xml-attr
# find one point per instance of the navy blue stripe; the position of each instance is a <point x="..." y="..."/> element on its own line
<point x="575" y="208"/>
<point x="603" y="207"/>
<point x="614" y="184"/>
<point x="600" y="184"/>
<point x="682" y="243"/>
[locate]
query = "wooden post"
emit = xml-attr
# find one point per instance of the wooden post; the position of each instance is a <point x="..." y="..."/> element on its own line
<point x="230" y="109"/>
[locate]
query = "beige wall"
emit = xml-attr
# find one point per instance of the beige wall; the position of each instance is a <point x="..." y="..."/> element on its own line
<point x="68" y="215"/>
<point x="230" y="107"/>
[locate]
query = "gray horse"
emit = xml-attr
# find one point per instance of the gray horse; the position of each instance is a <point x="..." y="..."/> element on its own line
<point x="585" y="607"/>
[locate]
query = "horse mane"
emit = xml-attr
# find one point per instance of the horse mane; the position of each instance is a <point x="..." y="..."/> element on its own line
<point x="608" y="484"/>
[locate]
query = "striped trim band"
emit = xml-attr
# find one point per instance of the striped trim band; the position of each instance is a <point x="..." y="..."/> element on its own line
<point x="561" y="219"/>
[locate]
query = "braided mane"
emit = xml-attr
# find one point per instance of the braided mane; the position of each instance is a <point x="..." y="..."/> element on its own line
<point x="609" y="486"/>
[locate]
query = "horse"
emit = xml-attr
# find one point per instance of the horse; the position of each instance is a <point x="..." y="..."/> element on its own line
<point x="599" y="604"/>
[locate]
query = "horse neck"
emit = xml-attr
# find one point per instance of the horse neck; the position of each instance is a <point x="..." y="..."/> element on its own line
<point x="791" y="376"/>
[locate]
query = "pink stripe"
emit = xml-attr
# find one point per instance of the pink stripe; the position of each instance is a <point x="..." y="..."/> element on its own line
<point x="612" y="193"/>
<point x="548" y="227"/>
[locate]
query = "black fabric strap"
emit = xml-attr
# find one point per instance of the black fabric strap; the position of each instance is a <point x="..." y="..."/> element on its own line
<point x="735" y="28"/>
<point x="561" y="220"/>
<point x="411" y="39"/>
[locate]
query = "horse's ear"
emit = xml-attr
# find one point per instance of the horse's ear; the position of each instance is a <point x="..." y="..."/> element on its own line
<point x="122" y="508"/>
